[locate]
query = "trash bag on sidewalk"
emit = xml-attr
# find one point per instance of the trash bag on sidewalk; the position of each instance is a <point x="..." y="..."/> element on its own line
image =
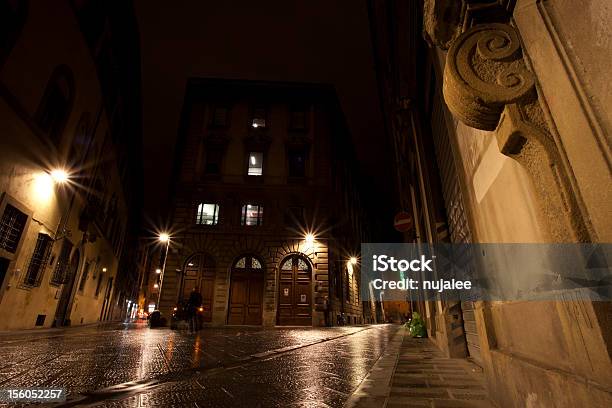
<point x="416" y="326"/>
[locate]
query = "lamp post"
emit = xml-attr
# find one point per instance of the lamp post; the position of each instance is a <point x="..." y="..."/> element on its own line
<point x="164" y="238"/>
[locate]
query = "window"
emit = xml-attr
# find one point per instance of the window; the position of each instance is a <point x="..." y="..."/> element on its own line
<point x="59" y="275"/>
<point x="208" y="214"/>
<point x="298" y="119"/>
<point x="11" y="227"/>
<point x="247" y="262"/>
<point x="42" y="250"/>
<point x="85" y="276"/>
<point x="56" y="104"/>
<point x="297" y="163"/>
<point x="255" y="164"/>
<point x="295" y="261"/>
<point x="213" y="161"/>
<point x="259" y="117"/>
<point x="99" y="285"/>
<point x="252" y="214"/>
<point x="219" y="116"/>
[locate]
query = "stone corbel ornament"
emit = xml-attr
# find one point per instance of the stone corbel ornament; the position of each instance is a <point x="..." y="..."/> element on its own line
<point x="487" y="86"/>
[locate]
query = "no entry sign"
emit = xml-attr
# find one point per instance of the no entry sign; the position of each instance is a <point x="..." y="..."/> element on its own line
<point x="403" y="222"/>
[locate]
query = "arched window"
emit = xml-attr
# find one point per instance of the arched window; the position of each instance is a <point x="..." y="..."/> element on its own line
<point x="295" y="261"/>
<point x="56" y="103"/>
<point x="248" y="262"/>
<point x="13" y="14"/>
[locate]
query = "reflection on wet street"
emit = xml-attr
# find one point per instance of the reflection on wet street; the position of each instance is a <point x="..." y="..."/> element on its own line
<point x="134" y="366"/>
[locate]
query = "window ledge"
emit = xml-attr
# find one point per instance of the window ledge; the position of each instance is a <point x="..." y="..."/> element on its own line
<point x="254" y="179"/>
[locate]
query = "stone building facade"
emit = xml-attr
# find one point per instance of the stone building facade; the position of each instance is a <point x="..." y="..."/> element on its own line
<point x="69" y="162"/>
<point x="500" y="132"/>
<point x="266" y="216"/>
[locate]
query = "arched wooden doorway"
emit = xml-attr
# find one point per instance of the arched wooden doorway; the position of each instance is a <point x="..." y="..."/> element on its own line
<point x="246" y="292"/>
<point x="295" y="291"/>
<point x="199" y="273"/>
<point x="62" y="315"/>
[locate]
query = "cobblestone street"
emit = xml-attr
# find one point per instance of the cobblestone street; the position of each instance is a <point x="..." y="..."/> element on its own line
<point x="135" y="366"/>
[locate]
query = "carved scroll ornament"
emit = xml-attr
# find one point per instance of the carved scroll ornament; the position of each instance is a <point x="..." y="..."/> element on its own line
<point x="484" y="72"/>
<point x="488" y="86"/>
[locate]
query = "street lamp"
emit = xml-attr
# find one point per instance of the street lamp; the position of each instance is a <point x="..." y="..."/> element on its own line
<point x="309" y="239"/>
<point x="164" y="238"/>
<point x="60" y="176"/>
<point x="353" y="260"/>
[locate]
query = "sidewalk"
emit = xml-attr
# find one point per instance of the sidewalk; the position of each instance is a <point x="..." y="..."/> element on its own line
<point x="414" y="373"/>
<point x="58" y="330"/>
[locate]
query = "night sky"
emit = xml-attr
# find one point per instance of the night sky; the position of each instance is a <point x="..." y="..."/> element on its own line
<point x="277" y="40"/>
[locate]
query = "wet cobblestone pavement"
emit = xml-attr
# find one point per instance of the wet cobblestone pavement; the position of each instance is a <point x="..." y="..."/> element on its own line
<point x="133" y="366"/>
<point x="414" y="373"/>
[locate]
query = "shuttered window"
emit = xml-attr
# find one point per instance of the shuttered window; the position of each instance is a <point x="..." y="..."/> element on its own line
<point x="40" y="257"/>
<point x="11" y="227"/>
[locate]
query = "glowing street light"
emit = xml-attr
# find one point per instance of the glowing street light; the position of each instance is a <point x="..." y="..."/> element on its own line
<point x="353" y="260"/>
<point x="158" y="271"/>
<point x="60" y="176"/>
<point x="164" y="238"/>
<point x="309" y="239"/>
<point x="156" y="286"/>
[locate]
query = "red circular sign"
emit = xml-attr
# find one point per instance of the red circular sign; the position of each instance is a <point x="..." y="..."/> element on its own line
<point x="403" y="222"/>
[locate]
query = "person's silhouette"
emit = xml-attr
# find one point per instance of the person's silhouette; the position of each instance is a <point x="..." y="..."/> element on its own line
<point x="193" y="304"/>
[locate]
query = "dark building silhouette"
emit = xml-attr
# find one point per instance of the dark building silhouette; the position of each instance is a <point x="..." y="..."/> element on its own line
<point x="266" y="207"/>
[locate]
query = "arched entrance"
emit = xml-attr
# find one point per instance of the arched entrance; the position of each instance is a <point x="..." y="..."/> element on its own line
<point x="62" y="315"/>
<point x="246" y="292"/>
<point x="199" y="273"/>
<point x="295" y="291"/>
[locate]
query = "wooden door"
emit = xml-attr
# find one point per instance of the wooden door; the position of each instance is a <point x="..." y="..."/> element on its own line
<point x="200" y="274"/>
<point x="246" y="292"/>
<point x="295" y="292"/>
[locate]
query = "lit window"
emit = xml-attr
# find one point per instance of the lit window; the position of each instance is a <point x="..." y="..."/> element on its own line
<point x="208" y="214"/>
<point x="241" y="264"/>
<point x="255" y="164"/>
<point x="259" y="118"/>
<point x="252" y="214"/>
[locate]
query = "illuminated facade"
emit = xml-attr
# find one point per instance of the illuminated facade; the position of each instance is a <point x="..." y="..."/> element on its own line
<point x="265" y="209"/>
<point x="68" y="149"/>
<point x="497" y="125"/>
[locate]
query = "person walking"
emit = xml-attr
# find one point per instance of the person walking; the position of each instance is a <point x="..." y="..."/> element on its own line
<point x="193" y="304"/>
